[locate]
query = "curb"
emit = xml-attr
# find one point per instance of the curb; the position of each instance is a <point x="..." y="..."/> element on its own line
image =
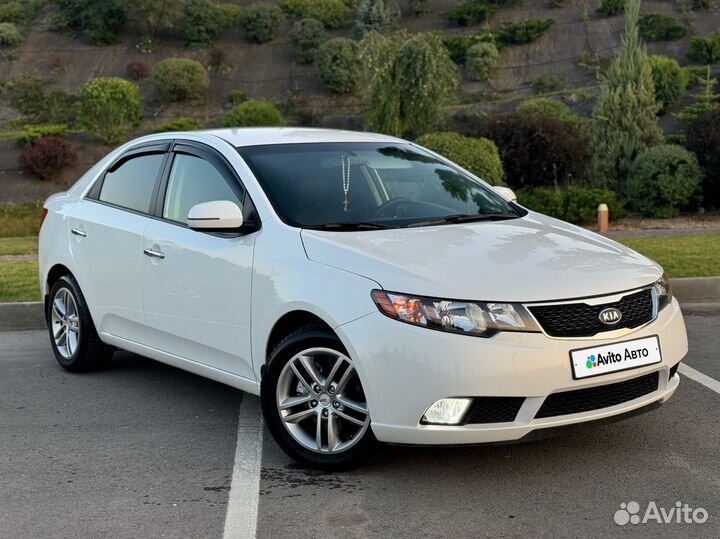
<point x="697" y="295"/>
<point x="22" y="316"/>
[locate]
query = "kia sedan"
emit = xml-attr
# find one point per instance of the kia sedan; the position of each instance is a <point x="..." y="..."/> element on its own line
<point x="367" y="289"/>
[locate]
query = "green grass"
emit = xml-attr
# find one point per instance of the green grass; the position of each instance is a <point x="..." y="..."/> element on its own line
<point x="25" y="245"/>
<point x="696" y="255"/>
<point x="19" y="281"/>
<point x="18" y="220"/>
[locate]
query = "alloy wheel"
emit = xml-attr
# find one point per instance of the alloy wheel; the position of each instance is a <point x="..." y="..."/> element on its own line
<point x="65" y="323"/>
<point x="321" y="401"/>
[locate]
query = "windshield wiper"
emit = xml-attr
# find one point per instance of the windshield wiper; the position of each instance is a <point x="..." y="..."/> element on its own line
<point x="350" y="226"/>
<point x="466" y="218"/>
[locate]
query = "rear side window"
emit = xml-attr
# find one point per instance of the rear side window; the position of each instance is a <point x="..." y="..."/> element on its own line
<point x="192" y="181"/>
<point x="131" y="185"/>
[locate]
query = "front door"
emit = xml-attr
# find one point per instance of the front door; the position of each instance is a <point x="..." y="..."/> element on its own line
<point x="196" y="285"/>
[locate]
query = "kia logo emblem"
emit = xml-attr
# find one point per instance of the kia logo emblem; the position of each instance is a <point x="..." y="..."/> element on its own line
<point x="610" y="316"/>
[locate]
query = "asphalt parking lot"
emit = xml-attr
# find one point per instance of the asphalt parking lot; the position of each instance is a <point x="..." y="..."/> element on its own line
<point x="146" y="450"/>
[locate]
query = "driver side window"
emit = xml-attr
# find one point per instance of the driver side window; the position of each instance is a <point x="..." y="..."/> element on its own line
<point x="192" y="181"/>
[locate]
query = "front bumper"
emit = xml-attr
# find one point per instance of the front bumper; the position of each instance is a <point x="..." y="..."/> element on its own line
<point x="404" y="369"/>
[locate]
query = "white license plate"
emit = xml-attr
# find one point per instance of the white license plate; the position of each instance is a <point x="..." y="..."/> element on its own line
<point x="615" y="357"/>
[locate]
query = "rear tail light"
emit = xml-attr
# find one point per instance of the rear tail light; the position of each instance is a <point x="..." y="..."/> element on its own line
<point x="43" y="214"/>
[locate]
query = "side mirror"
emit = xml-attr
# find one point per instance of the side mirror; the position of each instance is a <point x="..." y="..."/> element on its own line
<point x="505" y="192"/>
<point x="217" y="215"/>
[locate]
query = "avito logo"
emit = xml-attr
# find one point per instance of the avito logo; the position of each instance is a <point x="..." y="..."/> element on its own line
<point x="681" y="513"/>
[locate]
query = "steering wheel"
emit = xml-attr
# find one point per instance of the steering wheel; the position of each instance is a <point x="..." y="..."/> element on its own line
<point x="384" y="210"/>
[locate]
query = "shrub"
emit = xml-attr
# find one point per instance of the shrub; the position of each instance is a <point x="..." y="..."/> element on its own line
<point x="662" y="180"/>
<point x="521" y="32"/>
<point x="332" y="13"/>
<point x="179" y="124"/>
<point x="254" y="113"/>
<point x="703" y="139"/>
<point x="536" y="150"/>
<point x="480" y="58"/>
<point x="237" y="97"/>
<point x="46" y="157"/>
<point x="412" y="79"/>
<point x="179" y="79"/>
<point x="548" y="108"/>
<point x="202" y="23"/>
<point x="108" y="107"/>
<point x="34" y="98"/>
<point x="10" y="36"/>
<point x="260" y="21"/>
<point x="470" y="12"/>
<point x="100" y="20"/>
<point x="659" y="27"/>
<point x="669" y="80"/>
<point x="546" y="83"/>
<point x="458" y="46"/>
<point x="478" y="155"/>
<point x="419" y="7"/>
<point x="305" y="37"/>
<point x="573" y="203"/>
<point x="611" y="7"/>
<point x="137" y="70"/>
<point x="705" y="50"/>
<point x="12" y="12"/>
<point x="34" y="132"/>
<point x="375" y="15"/>
<point x="702" y="5"/>
<point x="338" y="65"/>
<point x="231" y="14"/>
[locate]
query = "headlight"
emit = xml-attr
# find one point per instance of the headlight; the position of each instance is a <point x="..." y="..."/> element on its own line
<point x="481" y="319"/>
<point x="663" y="293"/>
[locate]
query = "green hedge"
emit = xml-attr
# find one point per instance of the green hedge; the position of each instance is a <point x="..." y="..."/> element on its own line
<point x="574" y="204"/>
<point x="478" y="155"/>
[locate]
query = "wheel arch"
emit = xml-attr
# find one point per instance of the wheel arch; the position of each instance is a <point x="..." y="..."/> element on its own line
<point x="286" y="324"/>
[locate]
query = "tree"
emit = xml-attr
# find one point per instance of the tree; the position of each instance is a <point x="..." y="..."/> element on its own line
<point x="202" y="22"/>
<point x="412" y="78"/>
<point x="108" y="107"/>
<point x="99" y="20"/>
<point x="670" y="81"/>
<point x="624" y="121"/>
<point x="703" y="139"/>
<point x="158" y="15"/>
<point x="260" y="21"/>
<point x="305" y="37"/>
<point x="375" y="15"/>
<point x="338" y="65"/>
<point x="705" y="101"/>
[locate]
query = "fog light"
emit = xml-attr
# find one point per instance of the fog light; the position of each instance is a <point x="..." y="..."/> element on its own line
<point x="446" y="412"/>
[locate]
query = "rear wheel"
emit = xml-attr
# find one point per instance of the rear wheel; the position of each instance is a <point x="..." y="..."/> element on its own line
<point x="314" y="403"/>
<point x="73" y="337"/>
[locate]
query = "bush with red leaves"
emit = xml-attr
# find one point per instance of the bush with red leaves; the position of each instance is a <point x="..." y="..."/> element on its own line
<point x="47" y="156"/>
<point x="137" y="70"/>
<point x="535" y="150"/>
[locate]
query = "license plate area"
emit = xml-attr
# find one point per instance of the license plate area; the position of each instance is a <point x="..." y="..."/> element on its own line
<point x="615" y="357"/>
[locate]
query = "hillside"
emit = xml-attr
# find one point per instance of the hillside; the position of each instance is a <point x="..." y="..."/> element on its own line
<point x="268" y="71"/>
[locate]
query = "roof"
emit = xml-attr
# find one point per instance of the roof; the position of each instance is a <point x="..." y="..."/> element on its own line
<point x="256" y="136"/>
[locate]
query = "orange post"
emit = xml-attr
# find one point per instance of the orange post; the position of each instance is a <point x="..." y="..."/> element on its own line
<point x="603" y="218"/>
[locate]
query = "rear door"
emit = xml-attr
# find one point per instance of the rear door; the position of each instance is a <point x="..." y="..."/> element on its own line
<point x="106" y="240"/>
<point x="196" y="285"/>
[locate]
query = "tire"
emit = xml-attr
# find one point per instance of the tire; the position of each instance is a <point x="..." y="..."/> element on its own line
<point x="353" y="443"/>
<point x="84" y="351"/>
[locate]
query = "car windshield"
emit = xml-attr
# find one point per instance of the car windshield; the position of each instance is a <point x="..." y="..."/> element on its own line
<point x="357" y="186"/>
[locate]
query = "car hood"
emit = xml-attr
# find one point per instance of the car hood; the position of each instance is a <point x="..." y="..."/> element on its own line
<point x="533" y="258"/>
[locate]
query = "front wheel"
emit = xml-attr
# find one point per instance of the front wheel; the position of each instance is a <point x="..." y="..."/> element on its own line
<point x="314" y="403"/>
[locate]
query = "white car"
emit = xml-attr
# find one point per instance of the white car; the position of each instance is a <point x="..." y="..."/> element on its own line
<point x="366" y="288"/>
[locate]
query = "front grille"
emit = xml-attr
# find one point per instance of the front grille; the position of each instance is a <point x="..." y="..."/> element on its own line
<point x="581" y="319"/>
<point x="494" y="409"/>
<point x="594" y="398"/>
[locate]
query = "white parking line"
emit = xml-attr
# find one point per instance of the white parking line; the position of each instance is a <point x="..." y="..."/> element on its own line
<point x="241" y="516"/>
<point x="699" y="377"/>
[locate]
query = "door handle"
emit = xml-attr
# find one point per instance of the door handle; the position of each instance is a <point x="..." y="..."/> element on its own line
<point x="154" y="254"/>
<point x="79" y="232"/>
